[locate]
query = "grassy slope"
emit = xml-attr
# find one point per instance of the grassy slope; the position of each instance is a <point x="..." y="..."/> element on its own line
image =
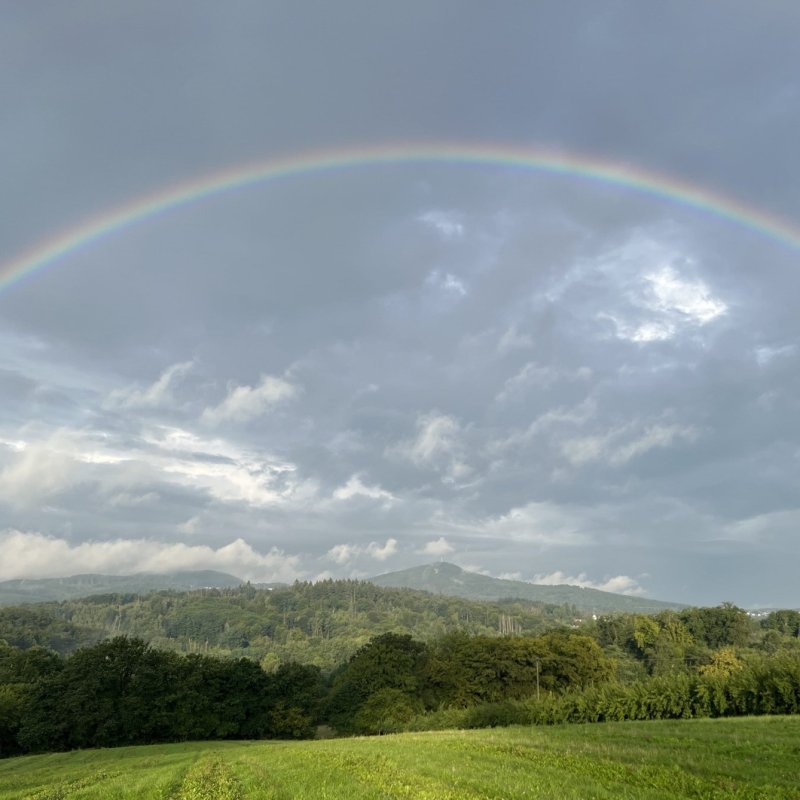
<point x="736" y="758"/>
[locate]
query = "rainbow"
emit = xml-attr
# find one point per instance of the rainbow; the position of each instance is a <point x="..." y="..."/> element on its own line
<point x="534" y="159"/>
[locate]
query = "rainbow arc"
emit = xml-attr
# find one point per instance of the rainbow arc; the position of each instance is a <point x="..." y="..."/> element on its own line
<point x="61" y="246"/>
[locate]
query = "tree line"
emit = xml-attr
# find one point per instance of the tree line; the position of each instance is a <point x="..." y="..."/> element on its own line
<point x="696" y="662"/>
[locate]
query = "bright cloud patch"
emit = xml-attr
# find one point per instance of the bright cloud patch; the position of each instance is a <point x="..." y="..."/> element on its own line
<point x="540" y="523"/>
<point x="447" y="283"/>
<point x="692" y="299"/>
<point x="245" y="403"/>
<point x="620" y="445"/>
<point x="345" y="553"/>
<point x="35" y="555"/>
<point x="437" y="547"/>
<point x="438" y="444"/>
<point x="657" y="296"/>
<point x="158" y="395"/>
<point x="446" y="223"/>
<point x="39" y="468"/>
<point x="619" y="584"/>
<point x="356" y="488"/>
<point x="228" y="472"/>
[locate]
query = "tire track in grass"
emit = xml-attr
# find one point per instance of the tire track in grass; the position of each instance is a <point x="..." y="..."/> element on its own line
<point x="67" y="788"/>
<point x="394" y="782"/>
<point x="209" y="778"/>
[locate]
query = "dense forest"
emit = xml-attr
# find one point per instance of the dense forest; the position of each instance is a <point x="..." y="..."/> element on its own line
<point x="321" y="623"/>
<point x="479" y="665"/>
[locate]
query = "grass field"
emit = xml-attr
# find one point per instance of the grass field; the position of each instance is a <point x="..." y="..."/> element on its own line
<point x="733" y="758"/>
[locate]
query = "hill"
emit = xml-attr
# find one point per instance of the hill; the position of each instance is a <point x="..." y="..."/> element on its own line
<point x="321" y="623"/>
<point x="449" y="579"/>
<point x="723" y="758"/>
<point x="39" y="590"/>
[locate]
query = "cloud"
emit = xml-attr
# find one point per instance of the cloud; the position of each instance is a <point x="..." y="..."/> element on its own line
<point x="542" y="523"/>
<point x="533" y="377"/>
<point x="438" y="444"/>
<point x="40" y="469"/>
<point x="27" y="554"/>
<point x="620" y="445"/>
<point x="619" y="584"/>
<point x="437" y="547"/>
<point x="545" y="423"/>
<point x="229" y="472"/>
<point x="356" y="488"/>
<point x="446" y="223"/>
<point x="512" y="339"/>
<point x="692" y="299"/>
<point x="447" y="283"/>
<point x="345" y="553"/>
<point x="245" y="403"/>
<point x="662" y="303"/>
<point x="159" y="395"/>
<point x="382" y="552"/>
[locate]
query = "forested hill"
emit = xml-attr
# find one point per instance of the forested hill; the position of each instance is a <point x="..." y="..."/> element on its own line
<point x="38" y="590"/>
<point x="320" y="623"/>
<point x="449" y="579"/>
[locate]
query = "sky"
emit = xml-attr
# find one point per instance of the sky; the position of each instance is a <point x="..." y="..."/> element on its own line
<point x="544" y="375"/>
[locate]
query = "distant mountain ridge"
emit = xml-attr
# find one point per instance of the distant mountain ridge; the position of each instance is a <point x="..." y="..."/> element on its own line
<point x="39" y="590"/>
<point x="449" y="579"/>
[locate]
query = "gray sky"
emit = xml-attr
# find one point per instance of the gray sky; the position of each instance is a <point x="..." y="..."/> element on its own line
<point x="351" y="372"/>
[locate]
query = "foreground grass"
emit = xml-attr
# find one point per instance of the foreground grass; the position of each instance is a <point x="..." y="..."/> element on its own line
<point x="730" y="758"/>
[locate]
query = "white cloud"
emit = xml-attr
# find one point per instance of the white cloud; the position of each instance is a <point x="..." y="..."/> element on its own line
<point x="436" y="435"/>
<point x="671" y="292"/>
<point x="158" y="395"/>
<point x="42" y="468"/>
<point x="382" y="552"/>
<point x="536" y="378"/>
<point x="677" y="302"/>
<point x="446" y="223"/>
<point x="620" y="445"/>
<point x="35" y="555"/>
<point x="655" y="295"/>
<point x="438" y="444"/>
<point x="766" y="354"/>
<point x="345" y="553"/>
<point x="447" y="283"/>
<point x="766" y="528"/>
<point x="513" y="340"/>
<point x="228" y="472"/>
<point x="541" y="523"/>
<point x="555" y="418"/>
<point x="619" y="584"/>
<point x="642" y="333"/>
<point x="245" y="403"/>
<point x="437" y="547"/>
<point x="356" y="488"/>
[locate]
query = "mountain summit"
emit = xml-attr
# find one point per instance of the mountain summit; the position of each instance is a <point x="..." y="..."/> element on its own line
<point x="445" y="578"/>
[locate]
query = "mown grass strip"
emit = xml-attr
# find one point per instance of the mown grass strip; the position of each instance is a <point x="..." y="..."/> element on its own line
<point x="210" y="779"/>
<point x="68" y="788"/>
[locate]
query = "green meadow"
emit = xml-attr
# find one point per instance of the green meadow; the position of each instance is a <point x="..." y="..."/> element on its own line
<point x="749" y="757"/>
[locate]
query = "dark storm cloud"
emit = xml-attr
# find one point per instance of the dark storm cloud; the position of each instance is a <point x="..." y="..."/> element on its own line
<point x="357" y="371"/>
